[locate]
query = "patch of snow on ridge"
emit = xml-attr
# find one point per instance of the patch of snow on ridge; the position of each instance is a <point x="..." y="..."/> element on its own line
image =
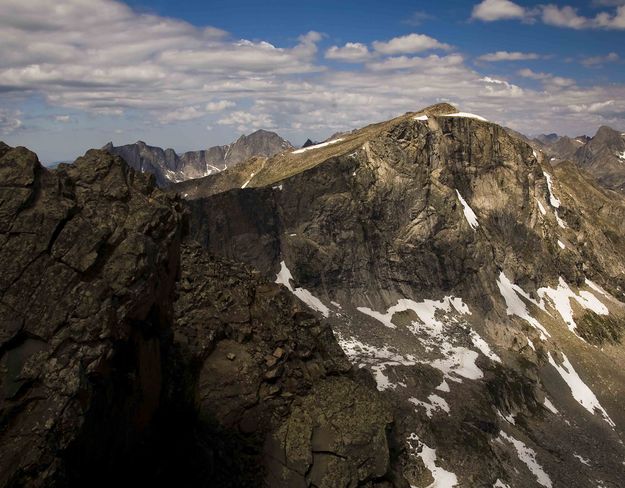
<point x="580" y="391"/>
<point x="422" y="118"/>
<point x="466" y="115"/>
<point x="516" y="306"/>
<point x="561" y="297"/>
<point x="469" y="214"/>
<point x="316" y="146"/>
<point x="284" y="277"/>
<point x="500" y="484"/>
<point x="425" y="310"/>
<point x="555" y="203"/>
<point x="375" y="358"/>
<point x="442" y="477"/>
<point x="248" y="181"/>
<point x="483" y="346"/>
<point x="435" y="403"/>
<point x="434" y="318"/>
<point x="550" y="406"/>
<point x="561" y="244"/>
<point x="528" y="456"/>
<point x="621" y="155"/>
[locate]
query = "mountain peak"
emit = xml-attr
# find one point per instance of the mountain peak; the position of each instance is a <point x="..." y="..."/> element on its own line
<point x="440" y="109"/>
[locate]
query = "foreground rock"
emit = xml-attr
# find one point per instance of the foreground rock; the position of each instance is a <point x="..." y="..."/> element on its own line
<point x="89" y="255"/>
<point x="130" y="357"/>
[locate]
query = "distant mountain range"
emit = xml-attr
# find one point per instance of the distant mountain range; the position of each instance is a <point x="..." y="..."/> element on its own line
<point x="169" y="167"/>
<point x="603" y="155"/>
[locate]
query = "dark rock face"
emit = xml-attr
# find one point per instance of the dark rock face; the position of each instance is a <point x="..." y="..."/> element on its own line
<point x="89" y="256"/>
<point x="267" y="369"/>
<point x="169" y="167"/>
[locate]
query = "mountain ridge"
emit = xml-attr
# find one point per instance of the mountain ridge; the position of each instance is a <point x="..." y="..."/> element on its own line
<point x="169" y="167"/>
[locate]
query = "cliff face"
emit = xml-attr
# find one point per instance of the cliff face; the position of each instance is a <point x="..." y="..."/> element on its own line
<point x="89" y="254"/>
<point x="479" y="285"/>
<point x="169" y="167"/>
<point x="129" y="356"/>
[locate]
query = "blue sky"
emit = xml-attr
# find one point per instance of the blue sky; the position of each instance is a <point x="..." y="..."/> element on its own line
<point x="189" y="74"/>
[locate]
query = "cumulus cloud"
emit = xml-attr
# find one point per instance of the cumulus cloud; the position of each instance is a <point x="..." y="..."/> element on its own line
<point x="508" y="56"/>
<point x="491" y="10"/>
<point x="411" y="43"/>
<point x="560" y="16"/>
<point x="352" y="52"/>
<point x="219" y="106"/>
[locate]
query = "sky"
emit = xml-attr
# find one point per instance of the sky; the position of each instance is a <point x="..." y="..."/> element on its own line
<point x="190" y="74"/>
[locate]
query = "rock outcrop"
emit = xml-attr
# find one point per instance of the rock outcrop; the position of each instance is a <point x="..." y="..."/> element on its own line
<point x="169" y="167"/>
<point x="89" y="255"/>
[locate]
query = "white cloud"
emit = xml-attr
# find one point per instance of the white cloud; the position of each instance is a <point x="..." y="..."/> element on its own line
<point x="600" y="60"/>
<point x="62" y="118"/>
<point x="508" y="56"/>
<point x="411" y="43"/>
<point x="9" y="121"/>
<point x="563" y="17"/>
<point x="547" y="78"/>
<point x="181" y="114"/>
<point x="490" y="10"/>
<point x="352" y="52"/>
<point x="434" y="64"/>
<point x="245" y="121"/>
<point x="219" y="106"/>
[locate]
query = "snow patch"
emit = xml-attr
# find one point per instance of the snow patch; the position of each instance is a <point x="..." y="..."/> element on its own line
<point x="528" y="456"/>
<point x="582" y="459"/>
<point x="422" y="118"/>
<point x="580" y="391"/>
<point x="466" y="115"/>
<point x="435" y="403"/>
<point x="248" y="181"/>
<point x="561" y="296"/>
<point x="550" y="406"/>
<point x="469" y="214"/>
<point x="442" y="477"/>
<point x="516" y="306"/>
<point x="561" y="244"/>
<point x="621" y="155"/>
<point x="500" y="484"/>
<point x="284" y="277"/>
<point x="555" y="203"/>
<point x="443" y="387"/>
<point x="377" y="359"/>
<point x="483" y="346"/>
<point x="316" y="146"/>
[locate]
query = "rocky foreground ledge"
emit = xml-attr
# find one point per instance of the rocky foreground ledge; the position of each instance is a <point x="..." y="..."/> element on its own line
<point x="128" y="355"/>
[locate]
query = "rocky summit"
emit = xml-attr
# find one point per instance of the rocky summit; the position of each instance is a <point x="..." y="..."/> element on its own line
<point x="168" y="167"/>
<point x="423" y="302"/>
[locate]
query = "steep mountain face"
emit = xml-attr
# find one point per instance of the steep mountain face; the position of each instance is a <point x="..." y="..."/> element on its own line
<point x="481" y="287"/>
<point x="604" y="157"/>
<point x="169" y="167"/>
<point x="128" y="355"/>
